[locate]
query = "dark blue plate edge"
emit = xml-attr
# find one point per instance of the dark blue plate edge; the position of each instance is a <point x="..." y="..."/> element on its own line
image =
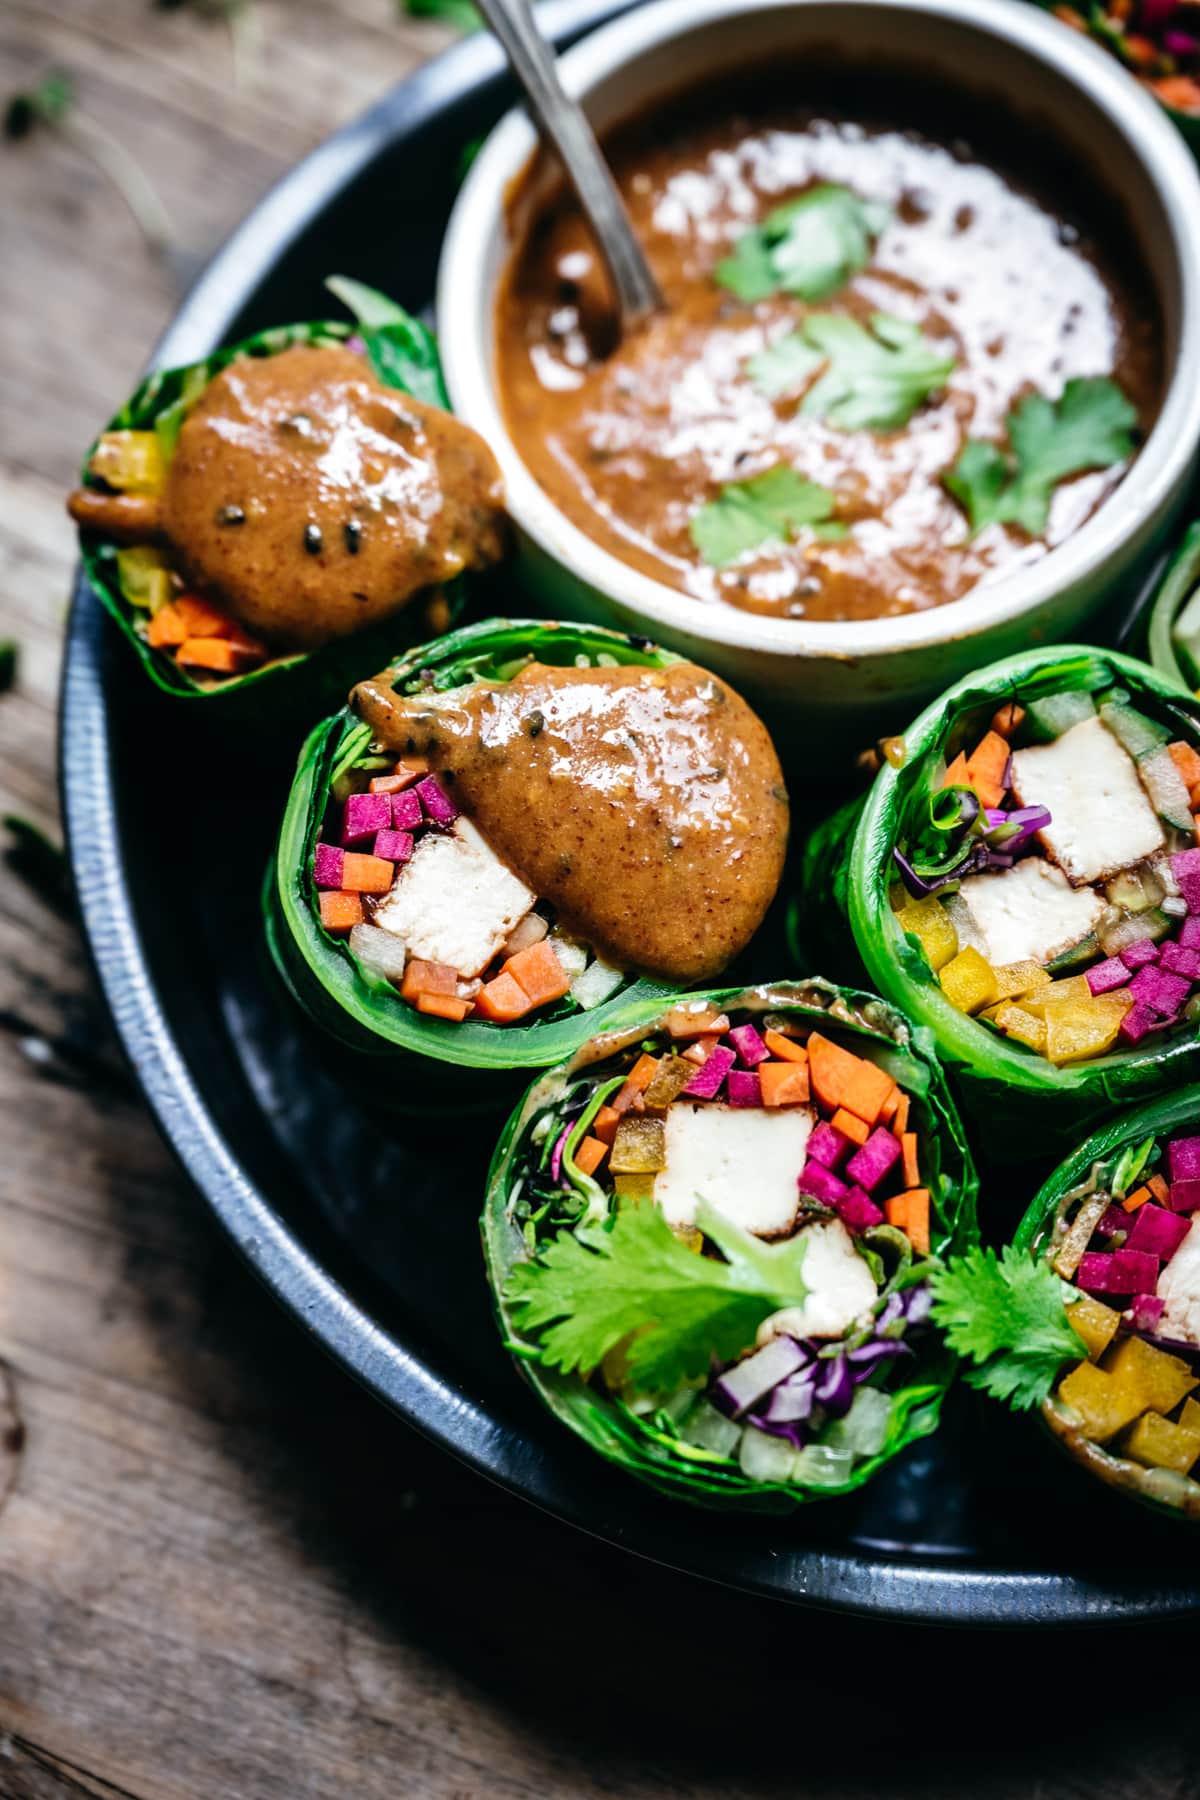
<point x="880" y="1587"/>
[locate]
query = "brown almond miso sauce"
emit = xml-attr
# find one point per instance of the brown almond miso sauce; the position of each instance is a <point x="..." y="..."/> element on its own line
<point x="646" y="805"/>
<point x="1010" y="266"/>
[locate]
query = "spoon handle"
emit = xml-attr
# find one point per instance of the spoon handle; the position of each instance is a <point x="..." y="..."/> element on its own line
<point x="563" y="121"/>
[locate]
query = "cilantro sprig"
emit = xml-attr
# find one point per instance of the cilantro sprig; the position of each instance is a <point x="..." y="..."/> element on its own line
<point x="1088" y="428"/>
<point x="1008" y="1314"/>
<point x="876" y="378"/>
<point x="634" y="1283"/>
<point x="767" y="509"/>
<point x="809" y="246"/>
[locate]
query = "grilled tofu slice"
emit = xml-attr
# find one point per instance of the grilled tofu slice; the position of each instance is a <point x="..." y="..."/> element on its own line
<point x="744" y="1162"/>
<point x="1029" y="913"/>
<point x="455" y="901"/>
<point x="1101" y="819"/>
<point x="840" y="1286"/>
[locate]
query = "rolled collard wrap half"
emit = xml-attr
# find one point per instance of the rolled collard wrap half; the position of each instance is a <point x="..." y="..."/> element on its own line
<point x="1092" y="1314"/>
<point x="266" y="522"/>
<point x="515" y="832"/>
<point x="1024" y="880"/>
<point x="709" y="1234"/>
<point x="1175" y="616"/>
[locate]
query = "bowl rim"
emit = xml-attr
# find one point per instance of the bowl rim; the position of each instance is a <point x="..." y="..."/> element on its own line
<point x="1133" y="510"/>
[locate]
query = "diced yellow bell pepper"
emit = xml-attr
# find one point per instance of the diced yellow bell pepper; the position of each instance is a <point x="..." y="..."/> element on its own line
<point x="1015" y="1022"/>
<point x="1095" y="1323"/>
<point x="1159" y="1444"/>
<point x="639" y="1146"/>
<point x="968" y="981"/>
<point x="1015" y="980"/>
<point x="1071" y="987"/>
<point x="1103" y="1405"/>
<point x="130" y="461"/>
<point x="1189" y="1418"/>
<point x="144" y="577"/>
<point x="1077" y="1029"/>
<point x="632" y="1190"/>
<point x="929" y="921"/>
<point x="1155" y="1379"/>
<point x="670" y="1078"/>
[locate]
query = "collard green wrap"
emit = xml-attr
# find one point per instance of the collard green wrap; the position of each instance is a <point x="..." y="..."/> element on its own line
<point x="403" y="355"/>
<point x="644" y="1441"/>
<point x="1175" y="653"/>
<point x="365" y="1012"/>
<point x="1023" y="1102"/>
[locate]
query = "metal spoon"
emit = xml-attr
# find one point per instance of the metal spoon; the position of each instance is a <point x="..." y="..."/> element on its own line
<point x="563" y="121"/>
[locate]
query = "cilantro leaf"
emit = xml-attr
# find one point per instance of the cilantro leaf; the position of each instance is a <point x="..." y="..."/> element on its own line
<point x="809" y="246"/>
<point x="769" y="508"/>
<point x="1087" y="428"/>
<point x="872" y="378"/>
<point x="633" y="1280"/>
<point x="1009" y="1315"/>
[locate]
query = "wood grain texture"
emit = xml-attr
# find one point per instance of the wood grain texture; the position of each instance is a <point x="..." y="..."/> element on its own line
<point x="224" y="1572"/>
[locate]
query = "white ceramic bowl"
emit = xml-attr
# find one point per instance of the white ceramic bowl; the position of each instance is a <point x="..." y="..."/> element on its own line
<point x="813" y="678"/>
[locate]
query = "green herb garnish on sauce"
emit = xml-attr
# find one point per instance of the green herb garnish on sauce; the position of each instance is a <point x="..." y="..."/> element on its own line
<point x="1088" y="428"/>
<point x="809" y="246"/>
<point x="876" y="378"/>
<point x="768" y="508"/>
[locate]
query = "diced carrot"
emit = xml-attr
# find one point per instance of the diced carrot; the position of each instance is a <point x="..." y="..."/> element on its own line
<point x="340" y="913"/>
<point x="222" y="656"/>
<point x="642" y="1073"/>
<point x="986" y="768"/>
<point x="701" y="1048"/>
<point x="628" y="1098"/>
<point x="166" y="629"/>
<point x="502" y="1000"/>
<point x="693" y="1021"/>
<point x="411" y="768"/>
<point x="386" y="784"/>
<point x="1187" y="762"/>
<point x="1008" y="718"/>
<point x="1179" y="91"/>
<point x="604" y="1125"/>
<point x="840" y="1079"/>
<point x="957" y="775"/>
<point x="916" y="1218"/>
<point x="428" y="978"/>
<point x="1158" y="1187"/>
<point x="895" y="1211"/>
<point x="900" y="1116"/>
<point x="363" y="874"/>
<point x="444" y="1006"/>
<point x="787" y="1049"/>
<point x="783" y="1083"/>
<point x="589" y="1154"/>
<point x="849" y="1126"/>
<point x="539" y="972"/>
<point x="908" y="1146"/>
<point x="1138" y="1198"/>
<point x="203" y="619"/>
<point x="1196" y="826"/>
<point x="887" y="1111"/>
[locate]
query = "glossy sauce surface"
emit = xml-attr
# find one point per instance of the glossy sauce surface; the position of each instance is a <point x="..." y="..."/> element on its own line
<point x="646" y="805"/>
<point x="311" y="500"/>
<point x="629" y="446"/>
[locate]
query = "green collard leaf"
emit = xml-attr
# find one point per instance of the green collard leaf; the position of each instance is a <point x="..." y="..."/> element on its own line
<point x="809" y="246"/>
<point x="769" y="508"/>
<point x="870" y="379"/>
<point x="633" y="1283"/>
<point x="402" y="351"/>
<point x="1008" y="1314"/>
<point x="1089" y="427"/>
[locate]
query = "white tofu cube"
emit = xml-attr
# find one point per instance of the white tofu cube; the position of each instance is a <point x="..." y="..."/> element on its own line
<point x="1101" y="819"/>
<point x="454" y="901"/>
<point x="840" y="1286"/>
<point x="1179" y="1286"/>
<point x="743" y="1161"/>
<point x="1029" y="913"/>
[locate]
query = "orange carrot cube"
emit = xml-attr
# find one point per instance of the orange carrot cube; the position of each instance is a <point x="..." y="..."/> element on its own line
<point x="1008" y="718"/>
<point x="502" y="1000"/>
<point x="841" y="1079"/>
<point x="849" y="1126"/>
<point x="166" y="629"/>
<point x="428" y="978"/>
<point x="362" y="874"/>
<point x="604" y="1125"/>
<point x="908" y="1147"/>
<point x="589" y="1154"/>
<point x="340" y="913"/>
<point x="783" y="1083"/>
<point x="538" y="971"/>
<point x="785" y="1049"/>
<point x="443" y="1006"/>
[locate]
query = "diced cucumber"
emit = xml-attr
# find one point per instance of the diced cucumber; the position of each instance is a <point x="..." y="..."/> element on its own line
<point x="709" y="1429"/>
<point x="864" y="1429"/>
<point x="1135" y="733"/>
<point x="1186" y="635"/>
<point x="823" y="1465"/>
<point x="1118" y="936"/>
<point x="1166" y="788"/>
<point x="1049" y="717"/>
<point x="766" y="1458"/>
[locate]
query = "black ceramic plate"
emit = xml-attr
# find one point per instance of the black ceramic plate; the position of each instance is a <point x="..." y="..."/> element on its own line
<point x="362" y="1218"/>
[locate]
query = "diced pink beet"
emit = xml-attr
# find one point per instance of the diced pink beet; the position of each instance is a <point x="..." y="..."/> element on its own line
<point x="1136" y="956"/>
<point x="1185" y="866"/>
<point x="438" y="807"/>
<point x="821" y="1183"/>
<point x="743" y="1088"/>
<point x="1095" y="1272"/>
<point x="365" y="815"/>
<point x="1107" y="975"/>
<point x="709" y="1078"/>
<point x="1138" y="1023"/>
<point x="1159" y="991"/>
<point x="393" y="846"/>
<point x="1189" y="934"/>
<point x="1157" y="1231"/>
<point x="1183" y="1158"/>
<point x="827" y="1146"/>
<point x="1146" y="1312"/>
<point x="1180" y="961"/>
<point x="1115" y="1219"/>
<point x="749" y="1045"/>
<point x="857" y="1211"/>
<point x="873" y="1161"/>
<point x="1134" y="1272"/>
<point x="328" y="863"/>
<point x="406" y="811"/>
<point x="1185" y="1194"/>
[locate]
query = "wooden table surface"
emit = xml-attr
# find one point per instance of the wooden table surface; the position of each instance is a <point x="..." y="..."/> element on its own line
<point x="223" y="1570"/>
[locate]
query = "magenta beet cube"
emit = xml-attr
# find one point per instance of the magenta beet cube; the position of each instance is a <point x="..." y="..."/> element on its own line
<point x="821" y="1184"/>
<point x="406" y="811"/>
<point x="1185" y="1194"/>
<point x="1159" y="991"/>
<point x="328" y="863"/>
<point x="743" y="1088"/>
<point x="749" y="1045"/>
<point x="394" y="846"/>
<point x="1186" y="869"/>
<point x="1157" y="1231"/>
<point x="1146" y="1312"/>
<point x="1096" y="1273"/>
<point x="827" y="1146"/>
<point x="1115" y="1219"/>
<point x="1107" y="975"/>
<point x="436" y="803"/>
<point x="365" y="815"/>
<point x="857" y="1211"/>
<point x="873" y="1161"/>
<point x="1189" y="934"/>
<point x="1183" y="1158"/>
<point x="1136" y="956"/>
<point x="709" y="1078"/>
<point x="1138" y="1023"/>
<point x="1179" y="960"/>
<point x="1134" y="1272"/>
